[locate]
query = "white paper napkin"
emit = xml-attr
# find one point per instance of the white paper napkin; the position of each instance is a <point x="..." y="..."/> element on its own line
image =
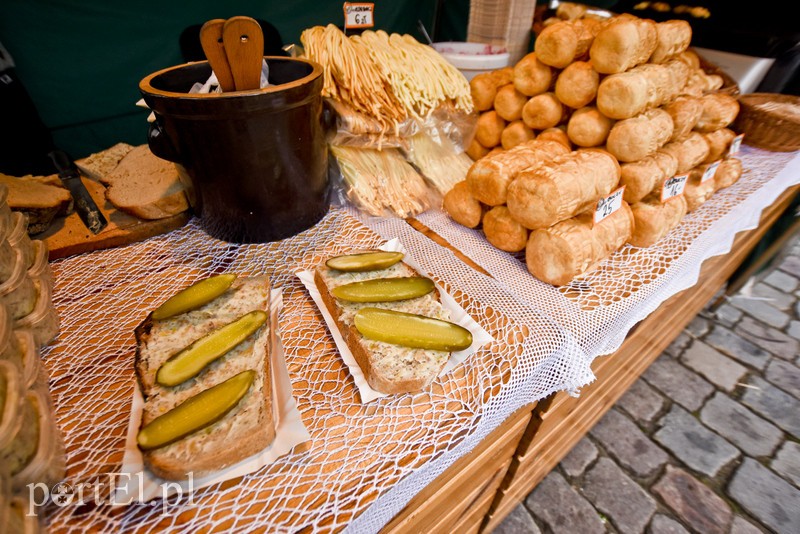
<point x="480" y="337"/>
<point x="136" y="484"/>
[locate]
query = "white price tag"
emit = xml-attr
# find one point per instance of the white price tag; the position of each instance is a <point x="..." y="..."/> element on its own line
<point x="736" y="145"/>
<point x="608" y="205"/>
<point x="710" y="171"/>
<point x="673" y="187"/>
<point x="358" y="15"/>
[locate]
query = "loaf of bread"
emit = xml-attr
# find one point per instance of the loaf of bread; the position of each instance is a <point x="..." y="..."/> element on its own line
<point x="561" y="188"/>
<point x="563" y="42"/>
<point x="489" y="128"/>
<point x="488" y="178"/>
<point x="558" y="254"/>
<point x="689" y="152"/>
<point x="623" y="43"/>
<point x="462" y="206"/>
<point x="508" y="103"/>
<point x="654" y="219"/>
<point x="638" y="137"/>
<point x="685" y="112"/>
<point x="516" y="133"/>
<point x="145" y="186"/>
<point x="719" y="111"/>
<point x="531" y="76"/>
<point x="642" y="177"/>
<point x="697" y="192"/>
<point x="728" y="173"/>
<point x="625" y="95"/>
<point x="100" y="164"/>
<point x="672" y="38"/>
<point x="719" y="142"/>
<point x="558" y="134"/>
<point x="40" y="202"/>
<point x="543" y="111"/>
<point x="387" y="368"/>
<point x="587" y="127"/>
<point x="503" y="231"/>
<point x="576" y="85"/>
<point x="701" y="83"/>
<point x="250" y="426"/>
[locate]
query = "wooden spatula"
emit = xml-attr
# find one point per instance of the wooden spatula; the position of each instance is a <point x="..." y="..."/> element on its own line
<point x="244" y="46"/>
<point x="214" y="49"/>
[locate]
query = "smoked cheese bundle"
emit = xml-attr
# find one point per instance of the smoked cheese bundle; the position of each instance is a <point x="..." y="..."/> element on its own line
<point x="641" y="177"/>
<point x="563" y="42"/>
<point x="653" y="219"/>
<point x="558" y="254"/>
<point x="638" y="137"/>
<point x="624" y="95"/>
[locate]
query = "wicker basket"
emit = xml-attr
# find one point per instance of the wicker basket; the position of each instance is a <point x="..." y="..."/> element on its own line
<point x="770" y="121"/>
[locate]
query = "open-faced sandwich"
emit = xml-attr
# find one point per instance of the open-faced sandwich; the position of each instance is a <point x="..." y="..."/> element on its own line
<point x="391" y="318"/>
<point x="203" y="364"/>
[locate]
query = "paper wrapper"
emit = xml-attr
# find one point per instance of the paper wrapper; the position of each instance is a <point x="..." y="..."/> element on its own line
<point x="137" y="484"/>
<point x="480" y="337"/>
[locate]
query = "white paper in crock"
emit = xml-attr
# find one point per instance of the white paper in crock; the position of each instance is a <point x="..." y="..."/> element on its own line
<point x="480" y="337"/>
<point x="138" y="484"/>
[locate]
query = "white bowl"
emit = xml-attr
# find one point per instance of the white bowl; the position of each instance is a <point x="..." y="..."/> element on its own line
<point x="473" y="58"/>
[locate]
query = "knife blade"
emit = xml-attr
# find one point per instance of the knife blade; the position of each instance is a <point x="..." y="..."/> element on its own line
<point x="87" y="210"/>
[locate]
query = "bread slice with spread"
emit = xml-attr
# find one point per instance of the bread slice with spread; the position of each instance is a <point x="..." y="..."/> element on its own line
<point x="246" y="428"/>
<point x="388" y="367"/>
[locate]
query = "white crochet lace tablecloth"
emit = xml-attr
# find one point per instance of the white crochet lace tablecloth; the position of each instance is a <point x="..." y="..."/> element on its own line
<point x="365" y="461"/>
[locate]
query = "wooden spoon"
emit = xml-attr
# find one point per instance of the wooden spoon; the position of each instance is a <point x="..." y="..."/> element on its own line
<point x="244" y="46"/>
<point x="214" y="49"/>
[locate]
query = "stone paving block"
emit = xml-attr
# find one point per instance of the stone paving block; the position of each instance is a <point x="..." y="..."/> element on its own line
<point x="743" y="526"/>
<point x="678" y="344"/>
<point x="752" y="434"/>
<point x="770" y="339"/>
<point x="693" y="502"/>
<point x="519" y="521"/>
<point x="713" y="365"/>
<point x="662" y="524"/>
<point x="785" y="375"/>
<point x="787" y="462"/>
<point x="579" y="458"/>
<point x="794" y="329"/>
<point x="779" y="298"/>
<point x="641" y="401"/>
<point x="773" y="404"/>
<point x="678" y="383"/>
<point x="627" y="444"/>
<point x="694" y="444"/>
<point x="727" y="315"/>
<point x="616" y="495"/>
<point x="762" y="310"/>
<point x="769" y="498"/>
<point x="791" y="265"/>
<point x="783" y="281"/>
<point x="562" y="508"/>
<point x="737" y="347"/>
<point x="698" y="327"/>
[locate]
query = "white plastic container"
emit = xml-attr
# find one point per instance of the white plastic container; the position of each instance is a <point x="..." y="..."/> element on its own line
<point x="473" y="58"/>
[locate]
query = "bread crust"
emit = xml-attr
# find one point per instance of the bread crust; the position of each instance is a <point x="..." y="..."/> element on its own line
<point x="355" y="342"/>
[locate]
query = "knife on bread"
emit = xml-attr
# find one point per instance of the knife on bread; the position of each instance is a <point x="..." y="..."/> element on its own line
<point x="87" y="210"/>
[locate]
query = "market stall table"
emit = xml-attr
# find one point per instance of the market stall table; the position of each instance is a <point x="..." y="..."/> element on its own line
<point x="475" y="430"/>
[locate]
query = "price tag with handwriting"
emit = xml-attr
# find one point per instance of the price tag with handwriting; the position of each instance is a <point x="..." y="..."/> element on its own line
<point x="358" y="15"/>
<point x="608" y="205"/>
<point x="736" y="145"/>
<point x="673" y="187"/>
<point x="710" y="171"/>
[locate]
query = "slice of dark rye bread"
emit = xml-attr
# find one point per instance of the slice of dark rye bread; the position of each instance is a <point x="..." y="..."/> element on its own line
<point x="388" y="368"/>
<point x="245" y="430"/>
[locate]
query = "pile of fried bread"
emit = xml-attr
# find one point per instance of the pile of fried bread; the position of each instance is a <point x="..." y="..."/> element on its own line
<point x="134" y="180"/>
<point x="598" y="105"/>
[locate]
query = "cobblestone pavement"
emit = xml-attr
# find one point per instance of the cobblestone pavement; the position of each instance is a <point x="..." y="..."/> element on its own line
<point x="707" y="440"/>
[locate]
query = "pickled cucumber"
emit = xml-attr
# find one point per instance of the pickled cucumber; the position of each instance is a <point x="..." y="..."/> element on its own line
<point x="200" y="411"/>
<point x="190" y="361"/>
<point x="411" y="330"/>
<point x="194" y="296"/>
<point x="384" y="289"/>
<point x="366" y="261"/>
